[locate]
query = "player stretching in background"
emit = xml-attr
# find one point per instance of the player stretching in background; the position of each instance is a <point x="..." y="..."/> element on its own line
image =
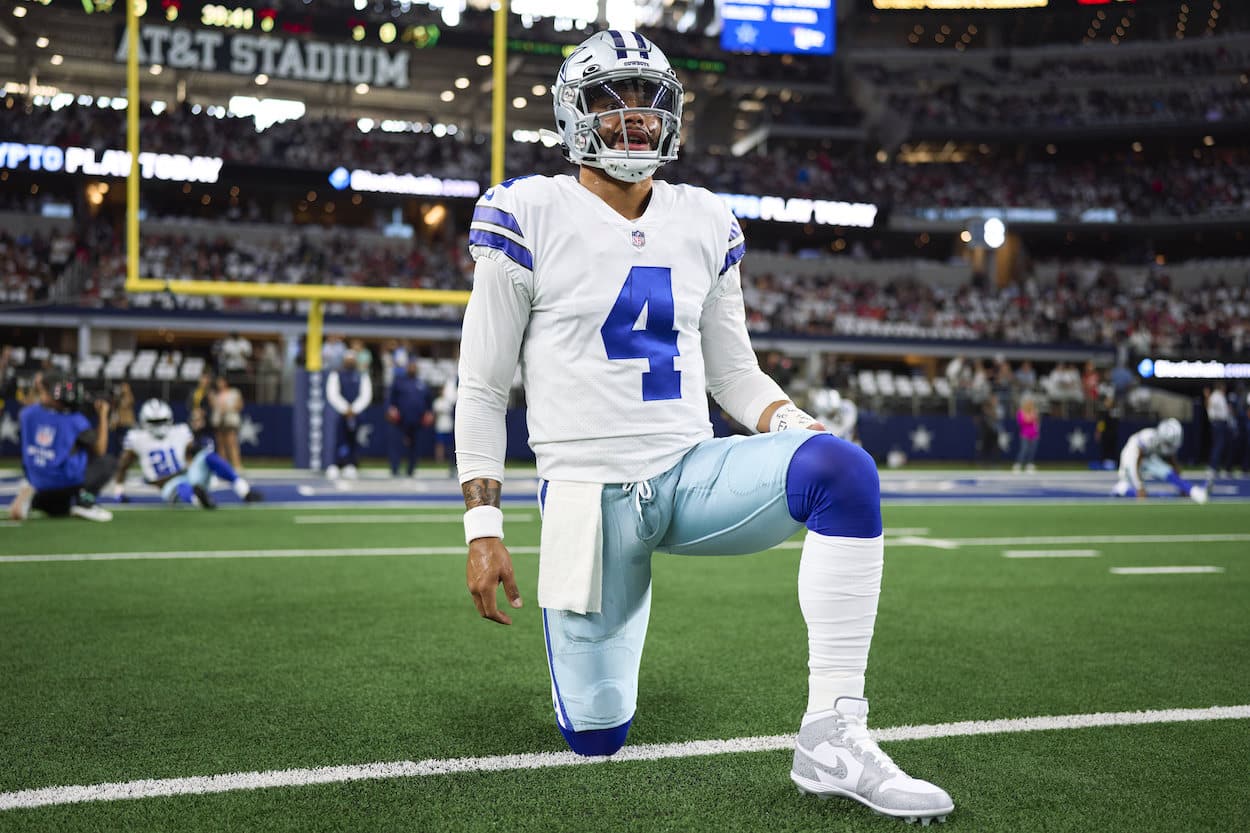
<point x="621" y="298"/>
<point x="162" y="449"/>
<point x="1152" y="452"/>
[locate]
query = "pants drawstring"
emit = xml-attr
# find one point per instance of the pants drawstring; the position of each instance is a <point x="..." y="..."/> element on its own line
<point x="643" y="493"/>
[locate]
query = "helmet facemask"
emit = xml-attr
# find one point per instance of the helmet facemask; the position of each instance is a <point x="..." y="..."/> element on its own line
<point x="609" y="93"/>
<point x="156" y="418"/>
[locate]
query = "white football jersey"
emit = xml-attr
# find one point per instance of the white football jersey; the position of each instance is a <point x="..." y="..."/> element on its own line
<point x="1146" y="443"/>
<point x="160" y="457"/>
<point x="612" y="359"/>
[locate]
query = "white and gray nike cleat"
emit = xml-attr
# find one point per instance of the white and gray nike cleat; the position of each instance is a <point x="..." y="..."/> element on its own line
<point x="835" y="756"/>
<point x="91" y="513"/>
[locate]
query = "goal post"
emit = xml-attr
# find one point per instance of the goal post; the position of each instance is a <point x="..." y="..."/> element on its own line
<point x="313" y="403"/>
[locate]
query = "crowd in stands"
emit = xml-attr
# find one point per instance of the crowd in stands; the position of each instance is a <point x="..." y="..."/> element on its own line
<point x="1151" y="317"/>
<point x="1089" y="307"/>
<point x="1200" y="61"/>
<point x="30" y="265"/>
<point x="1057" y="107"/>
<point x="1213" y="181"/>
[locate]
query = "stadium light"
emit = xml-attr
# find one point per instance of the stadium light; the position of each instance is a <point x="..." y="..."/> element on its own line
<point x="995" y="233"/>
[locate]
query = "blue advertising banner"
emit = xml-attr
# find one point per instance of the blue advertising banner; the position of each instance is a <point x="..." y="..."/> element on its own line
<point x="282" y="432"/>
<point x="804" y="27"/>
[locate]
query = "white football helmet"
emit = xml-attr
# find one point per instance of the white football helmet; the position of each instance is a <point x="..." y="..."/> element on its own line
<point x="156" y="417"/>
<point x="1170" y="434"/>
<point x="621" y="75"/>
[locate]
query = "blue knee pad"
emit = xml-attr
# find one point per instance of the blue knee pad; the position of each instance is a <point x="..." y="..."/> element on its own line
<point x="220" y="467"/>
<point x="597" y="741"/>
<point x="833" y="487"/>
<point x="1182" y="485"/>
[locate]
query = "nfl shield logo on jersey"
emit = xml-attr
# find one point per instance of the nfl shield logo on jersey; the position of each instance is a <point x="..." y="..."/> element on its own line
<point x="638" y="239"/>
<point x="45" y="435"/>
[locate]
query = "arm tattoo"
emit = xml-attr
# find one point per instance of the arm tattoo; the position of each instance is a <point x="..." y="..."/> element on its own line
<point x="481" y="492"/>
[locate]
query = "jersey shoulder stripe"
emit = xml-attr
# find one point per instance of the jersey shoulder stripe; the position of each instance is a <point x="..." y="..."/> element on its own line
<point x="485" y="216"/>
<point x="733" y="256"/>
<point x="513" y="250"/>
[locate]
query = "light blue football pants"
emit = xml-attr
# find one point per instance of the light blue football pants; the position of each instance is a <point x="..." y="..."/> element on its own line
<point x="197" y="474"/>
<point x="726" y="497"/>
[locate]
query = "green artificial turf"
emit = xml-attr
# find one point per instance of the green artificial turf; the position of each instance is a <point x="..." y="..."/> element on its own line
<point x="127" y="669"/>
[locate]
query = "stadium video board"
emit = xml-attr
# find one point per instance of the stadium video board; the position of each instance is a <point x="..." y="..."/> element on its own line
<point x="804" y="27"/>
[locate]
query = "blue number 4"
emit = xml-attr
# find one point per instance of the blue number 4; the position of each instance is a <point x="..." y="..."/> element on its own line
<point x="649" y="287"/>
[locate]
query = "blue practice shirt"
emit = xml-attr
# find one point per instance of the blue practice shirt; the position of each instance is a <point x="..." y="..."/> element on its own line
<point x="411" y="396"/>
<point x="51" y="455"/>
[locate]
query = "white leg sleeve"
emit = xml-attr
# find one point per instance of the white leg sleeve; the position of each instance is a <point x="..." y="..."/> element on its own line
<point x="839" y="584"/>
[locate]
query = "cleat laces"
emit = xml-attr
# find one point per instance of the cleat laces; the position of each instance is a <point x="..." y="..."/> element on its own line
<point x="856" y="733"/>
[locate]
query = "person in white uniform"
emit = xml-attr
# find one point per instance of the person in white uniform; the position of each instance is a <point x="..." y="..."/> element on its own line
<point x="838" y="413"/>
<point x="620" y="297"/>
<point x="174" y="461"/>
<point x="1151" y="454"/>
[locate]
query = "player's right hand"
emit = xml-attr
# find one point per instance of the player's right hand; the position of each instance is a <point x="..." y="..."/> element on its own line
<point x="119" y="493"/>
<point x="490" y="565"/>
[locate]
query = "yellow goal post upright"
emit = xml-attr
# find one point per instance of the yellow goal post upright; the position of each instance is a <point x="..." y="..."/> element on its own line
<point x="317" y="295"/>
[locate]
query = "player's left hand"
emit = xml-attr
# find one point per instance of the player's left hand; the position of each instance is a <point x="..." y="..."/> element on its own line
<point x="817" y="426"/>
<point x="427" y="419"/>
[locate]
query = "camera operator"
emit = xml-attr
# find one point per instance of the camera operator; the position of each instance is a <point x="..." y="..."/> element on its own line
<point x="63" y="455"/>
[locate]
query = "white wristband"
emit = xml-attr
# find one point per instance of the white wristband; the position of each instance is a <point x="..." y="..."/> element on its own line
<point x="789" y="416"/>
<point x="483" y="522"/>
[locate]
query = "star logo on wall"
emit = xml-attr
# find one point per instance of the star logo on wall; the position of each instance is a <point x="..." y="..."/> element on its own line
<point x="364" y="435"/>
<point x="921" y="439"/>
<point x="9" y="430"/>
<point x="1077" y="441"/>
<point x="1004" y="440"/>
<point x="746" y="33"/>
<point x="249" y="431"/>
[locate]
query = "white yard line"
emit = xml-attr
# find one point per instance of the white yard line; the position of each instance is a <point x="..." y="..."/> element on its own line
<point x="1162" y="571"/>
<point x="903" y="542"/>
<point x="1051" y="553"/>
<point x="336" y="552"/>
<point x="201" y="784"/>
<point x="449" y="518"/>
<point x="1059" y="540"/>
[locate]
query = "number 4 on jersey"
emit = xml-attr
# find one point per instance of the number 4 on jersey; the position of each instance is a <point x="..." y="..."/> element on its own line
<point x="649" y="287"/>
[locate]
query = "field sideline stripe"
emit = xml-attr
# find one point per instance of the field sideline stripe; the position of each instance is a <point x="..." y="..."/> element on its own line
<point x="458" y="550"/>
<point x="202" y="784"/>
<point x="336" y="552"/>
<point x="1162" y="571"/>
<point x="447" y="518"/>
<point x="1051" y="553"/>
<point x="1043" y="540"/>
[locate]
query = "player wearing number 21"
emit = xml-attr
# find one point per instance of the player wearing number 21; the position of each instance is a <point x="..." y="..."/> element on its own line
<point x="620" y="296"/>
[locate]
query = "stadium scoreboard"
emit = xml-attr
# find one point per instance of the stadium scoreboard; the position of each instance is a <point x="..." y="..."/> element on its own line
<point x="779" y="26"/>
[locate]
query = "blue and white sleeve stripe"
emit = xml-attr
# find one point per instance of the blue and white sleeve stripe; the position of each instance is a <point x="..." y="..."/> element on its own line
<point x="737" y="247"/>
<point x="494" y="228"/>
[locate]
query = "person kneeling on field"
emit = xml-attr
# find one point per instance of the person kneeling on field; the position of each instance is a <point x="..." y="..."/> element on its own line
<point x="162" y="449"/>
<point x="1152" y="452"/>
<point x="63" y="454"/>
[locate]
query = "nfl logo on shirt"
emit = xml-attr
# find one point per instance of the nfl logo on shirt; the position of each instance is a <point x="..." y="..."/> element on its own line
<point x="638" y="239"/>
<point x="45" y="435"/>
